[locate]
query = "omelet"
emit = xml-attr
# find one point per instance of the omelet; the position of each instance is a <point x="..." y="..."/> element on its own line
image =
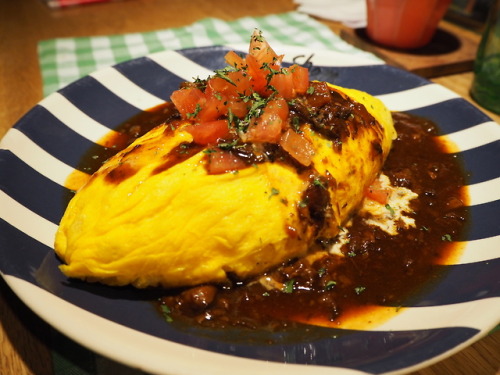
<point x="147" y="218"/>
<point x="260" y="167"/>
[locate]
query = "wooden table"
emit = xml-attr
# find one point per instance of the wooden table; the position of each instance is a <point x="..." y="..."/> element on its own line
<point x="24" y="338"/>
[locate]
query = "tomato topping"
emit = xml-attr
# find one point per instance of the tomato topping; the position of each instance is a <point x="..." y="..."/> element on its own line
<point x="267" y="127"/>
<point x="298" y="147"/>
<point x="188" y="101"/>
<point x="300" y="79"/>
<point x="234" y="60"/>
<point x="258" y="75"/>
<point x="224" y="161"/>
<point x="262" y="51"/>
<point x="238" y="108"/>
<point x="241" y="82"/>
<point x="233" y="85"/>
<point x="208" y="132"/>
<point x="249" y="98"/>
<point x="376" y="192"/>
<point x="283" y="83"/>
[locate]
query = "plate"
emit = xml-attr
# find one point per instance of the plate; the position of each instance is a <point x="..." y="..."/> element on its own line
<point x="47" y="144"/>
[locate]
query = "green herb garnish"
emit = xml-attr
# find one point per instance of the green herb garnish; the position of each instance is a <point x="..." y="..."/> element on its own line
<point x="274" y="191"/>
<point x="390" y="209"/>
<point x="330" y="285"/>
<point x="166" y="313"/>
<point x="222" y="73"/>
<point x="446" y="237"/>
<point x="196" y="111"/>
<point x="288" y="287"/>
<point x="318" y="182"/>
<point x="359" y="289"/>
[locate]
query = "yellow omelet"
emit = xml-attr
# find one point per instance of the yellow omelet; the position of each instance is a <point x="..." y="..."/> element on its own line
<point x="147" y="220"/>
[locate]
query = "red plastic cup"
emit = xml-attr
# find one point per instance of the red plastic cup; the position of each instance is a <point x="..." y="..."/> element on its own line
<point x="405" y="24"/>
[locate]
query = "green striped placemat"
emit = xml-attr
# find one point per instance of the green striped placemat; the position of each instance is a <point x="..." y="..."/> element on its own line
<point x="64" y="60"/>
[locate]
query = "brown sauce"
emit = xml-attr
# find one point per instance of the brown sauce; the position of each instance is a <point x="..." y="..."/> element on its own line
<point x="376" y="269"/>
<point x="126" y="133"/>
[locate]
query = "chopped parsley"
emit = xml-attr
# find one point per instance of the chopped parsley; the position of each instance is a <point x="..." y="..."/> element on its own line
<point x="274" y="191"/>
<point x="196" y="111"/>
<point x="390" y="209"/>
<point x="166" y="313"/>
<point x="288" y="287"/>
<point x="228" y="145"/>
<point x="258" y="37"/>
<point x="330" y="285"/>
<point x="318" y="182"/>
<point x="256" y="108"/>
<point x="222" y="73"/>
<point x="296" y="124"/>
<point x="446" y="237"/>
<point x="359" y="289"/>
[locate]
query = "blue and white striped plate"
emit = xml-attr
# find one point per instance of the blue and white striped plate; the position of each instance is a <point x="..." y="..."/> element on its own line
<point x="45" y="146"/>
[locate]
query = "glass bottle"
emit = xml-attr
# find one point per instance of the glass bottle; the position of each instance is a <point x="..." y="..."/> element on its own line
<point x="486" y="85"/>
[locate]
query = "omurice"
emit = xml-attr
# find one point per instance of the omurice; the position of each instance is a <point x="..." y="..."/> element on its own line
<point x="260" y="166"/>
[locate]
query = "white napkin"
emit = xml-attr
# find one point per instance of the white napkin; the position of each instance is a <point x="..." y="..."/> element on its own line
<point x="351" y="13"/>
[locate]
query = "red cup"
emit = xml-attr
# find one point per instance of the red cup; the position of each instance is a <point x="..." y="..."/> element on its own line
<point x="405" y="24"/>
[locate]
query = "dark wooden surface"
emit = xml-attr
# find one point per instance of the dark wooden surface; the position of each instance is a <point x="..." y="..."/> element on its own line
<point x="448" y="52"/>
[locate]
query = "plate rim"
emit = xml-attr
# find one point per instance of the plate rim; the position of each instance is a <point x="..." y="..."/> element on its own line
<point x="16" y="285"/>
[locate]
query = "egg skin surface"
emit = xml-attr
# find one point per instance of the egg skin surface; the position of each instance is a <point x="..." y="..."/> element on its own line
<point x="178" y="227"/>
<point x="147" y="220"/>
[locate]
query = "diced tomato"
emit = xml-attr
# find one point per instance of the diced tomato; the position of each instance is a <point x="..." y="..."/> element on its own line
<point x="231" y="93"/>
<point x="238" y="107"/>
<point x="188" y="100"/>
<point x="300" y="79"/>
<point x="377" y="193"/>
<point x="236" y="84"/>
<point x="209" y="132"/>
<point x="258" y="76"/>
<point x="278" y="106"/>
<point x="216" y="86"/>
<point x="224" y="161"/>
<point x="234" y="60"/>
<point x="242" y="81"/>
<point x="291" y="82"/>
<point x="297" y="146"/>
<point x="283" y="83"/>
<point x="212" y="110"/>
<point x="262" y="51"/>
<point x="267" y="127"/>
<point x="219" y="87"/>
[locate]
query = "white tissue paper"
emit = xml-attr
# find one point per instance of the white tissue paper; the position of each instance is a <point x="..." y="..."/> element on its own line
<point x="351" y="13"/>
